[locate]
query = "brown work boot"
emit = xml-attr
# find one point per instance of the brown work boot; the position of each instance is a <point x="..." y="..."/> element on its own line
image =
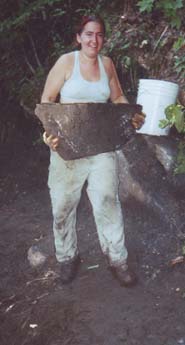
<point x="69" y="269"/>
<point x="124" y="275"/>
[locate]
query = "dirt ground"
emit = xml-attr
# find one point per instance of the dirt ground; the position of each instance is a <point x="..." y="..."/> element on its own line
<point x="35" y="309"/>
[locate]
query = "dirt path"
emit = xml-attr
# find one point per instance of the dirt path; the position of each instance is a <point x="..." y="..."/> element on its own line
<point x="94" y="310"/>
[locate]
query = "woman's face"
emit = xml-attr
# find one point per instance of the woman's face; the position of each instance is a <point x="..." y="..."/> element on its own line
<point x="91" y="39"/>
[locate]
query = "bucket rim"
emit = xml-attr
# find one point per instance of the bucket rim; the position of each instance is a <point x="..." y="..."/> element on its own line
<point x="152" y="80"/>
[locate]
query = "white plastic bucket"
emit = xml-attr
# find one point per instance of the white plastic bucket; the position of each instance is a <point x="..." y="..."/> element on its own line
<point x="154" y="96"/>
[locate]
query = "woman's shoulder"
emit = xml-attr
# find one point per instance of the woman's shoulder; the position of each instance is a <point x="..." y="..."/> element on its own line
<point x="67" y="58"/>
<point x="65" y="64"/>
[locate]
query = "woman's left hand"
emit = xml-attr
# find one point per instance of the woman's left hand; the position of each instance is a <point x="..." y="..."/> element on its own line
<point x="138" y="120"/>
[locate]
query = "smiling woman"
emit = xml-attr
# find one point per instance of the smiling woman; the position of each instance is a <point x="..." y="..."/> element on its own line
<point x="85" y="76"/>
<point x="90" y="36"/>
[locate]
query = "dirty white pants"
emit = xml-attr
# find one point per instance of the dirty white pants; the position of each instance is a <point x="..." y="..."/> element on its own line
<point x="66" y="179"/>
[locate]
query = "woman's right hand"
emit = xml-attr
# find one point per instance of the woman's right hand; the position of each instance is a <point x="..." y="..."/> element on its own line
<point x="51" y="141"/>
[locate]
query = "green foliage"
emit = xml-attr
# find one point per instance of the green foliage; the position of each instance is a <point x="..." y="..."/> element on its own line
<point x="30" y="89"/>
<point x="170" y="9"/>
<point x="175" y="116"/>
<point x="26" y="12"/>
<point x="180" y="168"/>
<point x="34" y="33"/>
<point x="146" y="5"/>
<point x="179" y="58"/>
<point x="179" y="44"/>
<point x="179" y="65"/>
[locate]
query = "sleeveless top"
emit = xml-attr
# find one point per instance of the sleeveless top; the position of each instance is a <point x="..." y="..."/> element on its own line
<point x="78" y="90"/>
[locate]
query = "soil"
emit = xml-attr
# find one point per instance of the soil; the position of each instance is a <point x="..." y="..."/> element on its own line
<point x="35" y="309"/>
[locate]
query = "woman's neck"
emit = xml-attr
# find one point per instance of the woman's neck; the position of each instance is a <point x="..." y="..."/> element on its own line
<point x="91" y="60"/>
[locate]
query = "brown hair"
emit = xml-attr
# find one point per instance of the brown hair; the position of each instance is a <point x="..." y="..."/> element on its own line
<point x="90" y="18"/>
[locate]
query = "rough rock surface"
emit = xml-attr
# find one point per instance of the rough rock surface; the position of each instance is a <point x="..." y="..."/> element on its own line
<point x="146" y="173"/>
<point x="88" y="128"/>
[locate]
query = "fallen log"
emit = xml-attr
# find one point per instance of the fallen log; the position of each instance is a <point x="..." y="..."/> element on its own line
<point x="86" y="129"/>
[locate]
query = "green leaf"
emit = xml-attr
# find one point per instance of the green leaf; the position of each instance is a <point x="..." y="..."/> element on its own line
<point x="145" y="5"/>
<point x="175" y="116"/>
<point x="175" y="22"/>
<point x="118" y="34"/>
<point x="163" y="123"/>
<point x="179" y="121"/>
<point x="169" y="111"/>
<point x="179" y="43"/>
<point x="180" y="168"/>
<point x="179" y="3"/>
<point x="183" y="250"/>
<point x="125" y="46"/>
<point x="169" y="4"/>
<point x="126" y="61"/>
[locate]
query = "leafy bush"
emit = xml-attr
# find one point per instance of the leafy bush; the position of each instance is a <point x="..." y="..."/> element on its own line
<point x="175" y="116"/>
<point x="170" y="9"/>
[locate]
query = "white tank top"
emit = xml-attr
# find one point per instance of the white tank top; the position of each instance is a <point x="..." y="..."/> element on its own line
<point x="78" y="90"/>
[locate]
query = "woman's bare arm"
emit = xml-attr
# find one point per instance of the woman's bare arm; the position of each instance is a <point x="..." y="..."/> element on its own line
<point x="117" y="95"/>
<point x="56" y="78"/>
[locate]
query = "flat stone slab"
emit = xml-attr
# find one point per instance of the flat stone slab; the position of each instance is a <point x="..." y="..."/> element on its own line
<point x="86" y="129"/>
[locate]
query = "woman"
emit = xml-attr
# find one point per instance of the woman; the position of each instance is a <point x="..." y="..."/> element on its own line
<point x="85" y="76"/>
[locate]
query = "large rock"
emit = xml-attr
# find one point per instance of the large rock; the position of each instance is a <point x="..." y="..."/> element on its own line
<point x="88" y="128"/>
<point x="146" y="173"/>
